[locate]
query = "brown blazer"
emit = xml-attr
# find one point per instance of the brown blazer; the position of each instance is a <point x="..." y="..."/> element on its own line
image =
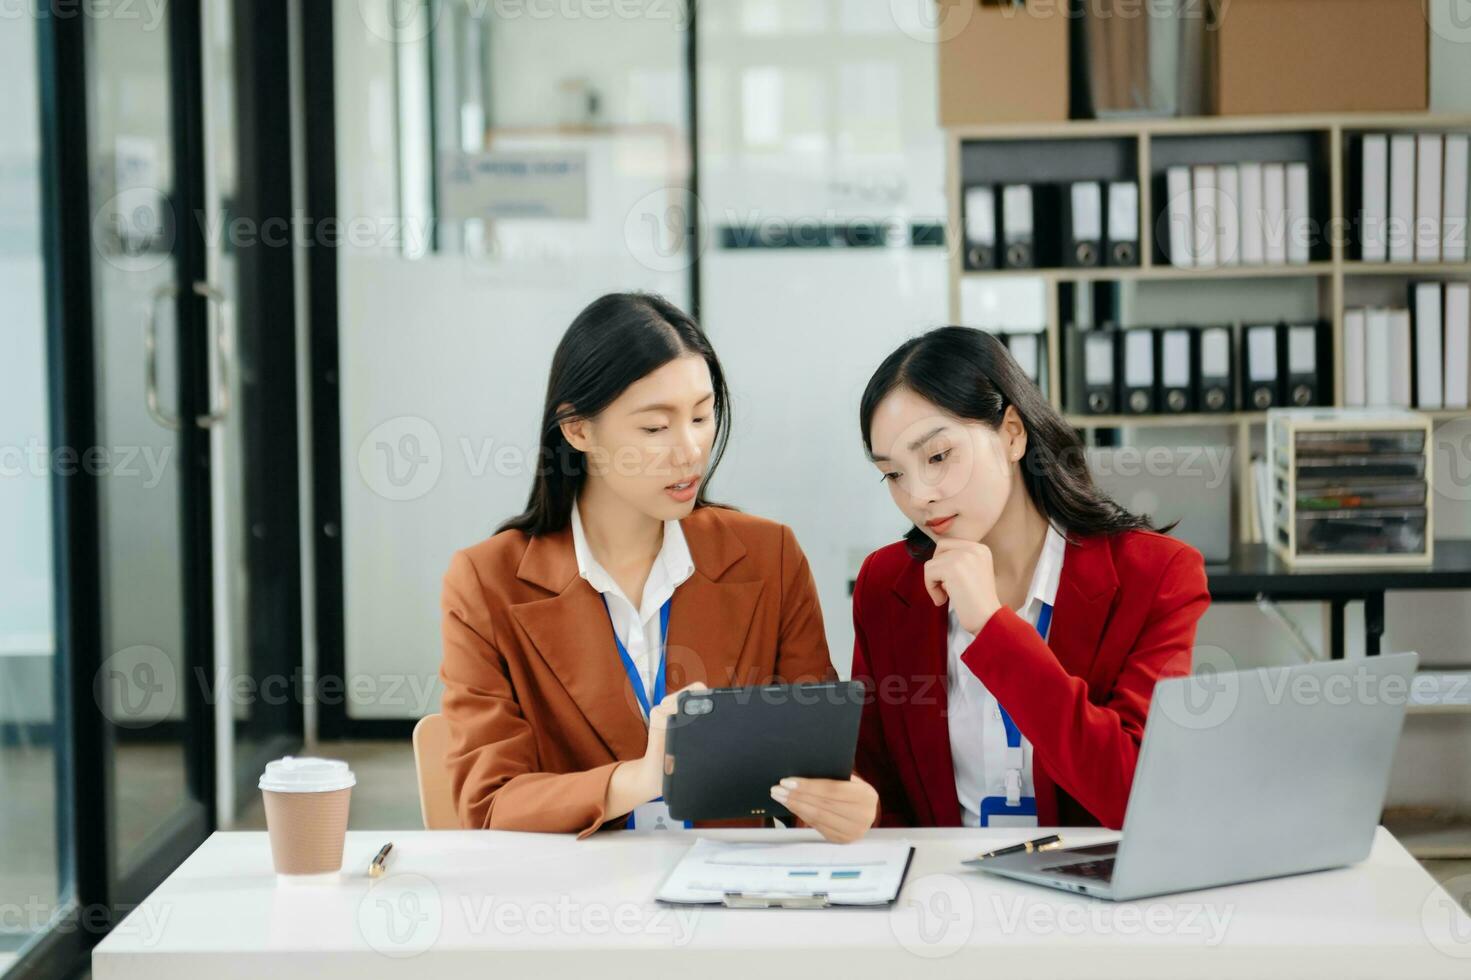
<point x="538" y="704"/>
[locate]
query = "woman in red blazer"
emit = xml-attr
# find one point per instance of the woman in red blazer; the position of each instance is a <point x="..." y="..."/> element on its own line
<point x="1013" y="639"/>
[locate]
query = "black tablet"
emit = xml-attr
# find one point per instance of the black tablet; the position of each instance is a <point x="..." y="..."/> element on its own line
<point x="725" y="748"/>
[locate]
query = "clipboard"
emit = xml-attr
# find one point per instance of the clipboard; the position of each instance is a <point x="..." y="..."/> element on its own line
<point x="699" y="878"/>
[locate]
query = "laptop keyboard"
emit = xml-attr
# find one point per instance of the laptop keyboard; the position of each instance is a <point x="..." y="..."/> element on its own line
<point x="1100" y="870"/>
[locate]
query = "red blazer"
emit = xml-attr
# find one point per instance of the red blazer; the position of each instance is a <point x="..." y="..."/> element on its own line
<point x="1124" y="617"/>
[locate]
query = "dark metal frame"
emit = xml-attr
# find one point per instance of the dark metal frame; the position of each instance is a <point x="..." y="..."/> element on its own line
<point x="84" y="855"/>
<point x="187" y="137"/>
<point x="320" y="126"/>
<point x="692" y="125"/>
<point x="268" y="405"/>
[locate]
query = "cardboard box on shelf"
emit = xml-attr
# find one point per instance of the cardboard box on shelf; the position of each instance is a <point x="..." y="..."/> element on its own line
<point x="1002" y="63"/>
<point x="1287" y="56"/>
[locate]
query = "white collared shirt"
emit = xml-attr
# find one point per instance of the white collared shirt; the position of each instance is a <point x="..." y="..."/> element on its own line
<point x="637" y="627"/>
<point x="977" y="733"/>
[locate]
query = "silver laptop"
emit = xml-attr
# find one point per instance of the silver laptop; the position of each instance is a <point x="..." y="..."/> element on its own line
<point x="1190" y="484"/>
<point x="1245" y="775"/>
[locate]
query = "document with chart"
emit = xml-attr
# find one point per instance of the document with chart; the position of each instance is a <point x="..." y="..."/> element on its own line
<point x="799" y="874"/>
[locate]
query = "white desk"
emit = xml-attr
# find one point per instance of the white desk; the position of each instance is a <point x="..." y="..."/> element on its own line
<point x="507" y="905"/>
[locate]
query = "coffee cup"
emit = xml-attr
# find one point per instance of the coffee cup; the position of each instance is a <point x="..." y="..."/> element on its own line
<point x="306" y="803"/>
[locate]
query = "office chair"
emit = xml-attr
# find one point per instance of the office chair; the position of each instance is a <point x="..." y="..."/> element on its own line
<point x="436" y="799"/>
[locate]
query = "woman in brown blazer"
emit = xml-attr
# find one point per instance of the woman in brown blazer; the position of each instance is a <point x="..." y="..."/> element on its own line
<point x="564" y="631"/>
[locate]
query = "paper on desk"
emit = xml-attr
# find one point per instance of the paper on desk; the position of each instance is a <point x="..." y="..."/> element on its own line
<point x="865" y="873"/>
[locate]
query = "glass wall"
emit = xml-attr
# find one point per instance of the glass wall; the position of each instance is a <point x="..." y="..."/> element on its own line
<point x="30" y="852"/>
<point x="499" y="167"/>
<point x="507" y="163"/>
<point x="821" y="175"/>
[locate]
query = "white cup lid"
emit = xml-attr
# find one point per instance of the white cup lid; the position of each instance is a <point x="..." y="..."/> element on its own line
<point x="306" y="775"/>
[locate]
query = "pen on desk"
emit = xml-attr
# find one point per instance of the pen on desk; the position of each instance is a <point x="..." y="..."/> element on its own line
<point x="1040" y="844"/>
<point x="376" y="869"/>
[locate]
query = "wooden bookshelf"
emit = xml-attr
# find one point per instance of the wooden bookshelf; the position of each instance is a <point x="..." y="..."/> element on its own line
<point x="1140" y="142"/>
<point x="1190" y="420"/>
<point x="1406" y="269"/>
<point x="1308" y="270"/>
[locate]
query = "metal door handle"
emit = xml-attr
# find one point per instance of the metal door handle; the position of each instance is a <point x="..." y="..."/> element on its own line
<point x="220" y="307"/>
<point x="150" y="357"/>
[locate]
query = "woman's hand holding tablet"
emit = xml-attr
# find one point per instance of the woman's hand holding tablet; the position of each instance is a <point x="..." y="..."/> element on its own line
<point x="782" y="751"/>
<point x="640" y="780"/>
<point x="841" y="810"/>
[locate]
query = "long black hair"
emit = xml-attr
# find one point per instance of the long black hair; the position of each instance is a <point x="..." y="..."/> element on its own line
<point x="971" y="375"/>
<point x="618" y="339"/>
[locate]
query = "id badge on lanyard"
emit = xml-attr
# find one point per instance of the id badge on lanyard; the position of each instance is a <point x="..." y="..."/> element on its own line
<point x="653" y="815"/>
<point x="1014" y="809"/>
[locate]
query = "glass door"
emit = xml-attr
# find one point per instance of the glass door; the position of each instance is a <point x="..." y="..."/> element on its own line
<point x="191" y="154"/>
<point x="248" y="276"/>
<point x="151" y="317"/>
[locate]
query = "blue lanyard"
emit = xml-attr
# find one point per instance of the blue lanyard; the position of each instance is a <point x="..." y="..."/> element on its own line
<point x="1012" y="804"/>
<point x="1014" y="734"/>
<point x="631" y="670"/>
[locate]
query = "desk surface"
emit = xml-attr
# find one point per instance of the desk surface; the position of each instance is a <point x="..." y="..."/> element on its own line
<point x="1255" y="568"/>
<point x="494" y="904"/>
